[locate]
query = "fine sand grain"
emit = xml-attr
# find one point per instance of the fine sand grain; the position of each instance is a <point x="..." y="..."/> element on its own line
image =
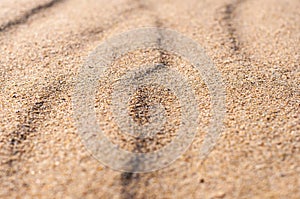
<point x="254" y="44"/>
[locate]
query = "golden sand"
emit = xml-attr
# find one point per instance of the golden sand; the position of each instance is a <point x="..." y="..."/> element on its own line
<point x="254" y="44"/>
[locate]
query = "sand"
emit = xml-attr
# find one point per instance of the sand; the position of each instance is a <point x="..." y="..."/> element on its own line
<point x="254" y="44"/>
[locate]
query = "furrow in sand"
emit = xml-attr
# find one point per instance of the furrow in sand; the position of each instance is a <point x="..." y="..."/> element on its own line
<point x="37" y="113"/>
<point x="20" y="139"/>
<point x="25" y="17"/>
<point x="134" y="183"/>
<point x="228" y="20"/>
